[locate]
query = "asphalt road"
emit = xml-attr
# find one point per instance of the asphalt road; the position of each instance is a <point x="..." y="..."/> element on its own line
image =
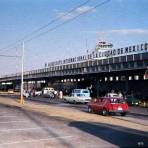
<point x="21" y="128"/>
<point x="136" y="114"/>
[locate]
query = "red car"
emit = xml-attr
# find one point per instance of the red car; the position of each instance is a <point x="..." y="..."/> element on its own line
<point x="108" y="105"/>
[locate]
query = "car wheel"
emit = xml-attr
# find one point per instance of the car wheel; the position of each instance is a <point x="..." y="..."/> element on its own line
<point x="89" y="110"/>
<point x="123" y="114"/>
<point x="65" y="101"/>
<point x="104" y="112"/>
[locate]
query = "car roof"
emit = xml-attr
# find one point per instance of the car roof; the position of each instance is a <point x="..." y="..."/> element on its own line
<point x="48" y="88"/>
<point x="80" y="89"/>
<point x="106" y="97"/>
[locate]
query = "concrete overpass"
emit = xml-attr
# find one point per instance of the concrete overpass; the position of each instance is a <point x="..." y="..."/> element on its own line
<point x="125" y="73"/>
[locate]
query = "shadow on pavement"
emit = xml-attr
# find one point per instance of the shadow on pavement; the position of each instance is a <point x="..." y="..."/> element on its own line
<point x="39" y="119"/>
<point x="42" y="120"/>
<point x="117" y="135"/>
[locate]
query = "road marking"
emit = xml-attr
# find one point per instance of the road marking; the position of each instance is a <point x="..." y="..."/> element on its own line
<point x="13" y="121"/>
<point x="4" y="112"/>
<point x="8" y="112"/>
<point x="3" y="116"/>
<point x="23" y="129"/>
<point x="35" y="140"/>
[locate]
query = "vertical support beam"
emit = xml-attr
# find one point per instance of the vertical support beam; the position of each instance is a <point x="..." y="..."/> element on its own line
<point x="35" y="84"/>
<point x="22" y="75"/>
<point x="27" y="85"/>
<point x="126" y="84"/>
<point x="13" y="83"/>
<point x="98" y="87"/>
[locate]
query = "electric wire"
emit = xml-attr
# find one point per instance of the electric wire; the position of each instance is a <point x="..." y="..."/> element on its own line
<point x="11" y="56"/>
<point x="57" y="26"/>
<point x="65" y="22"/>
<point x="46" y="25"/>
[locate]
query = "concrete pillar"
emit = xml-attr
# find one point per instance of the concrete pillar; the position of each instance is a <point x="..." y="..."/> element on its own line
<point x="27" y="85"/>
<point x="35" y="84"/>
<point x="126" y="84"/>
<point x="97" y="87"/>
<point x="14" y="85"/>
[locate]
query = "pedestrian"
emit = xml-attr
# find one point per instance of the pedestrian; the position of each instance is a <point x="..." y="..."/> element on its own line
<point x="27" y="95"/>
<point x="55" y="93"/>
<point x="60" y="94"/>
<point x="120" y="94"/>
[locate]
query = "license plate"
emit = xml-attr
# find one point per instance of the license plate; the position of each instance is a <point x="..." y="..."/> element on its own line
<point x="119" y="108"/>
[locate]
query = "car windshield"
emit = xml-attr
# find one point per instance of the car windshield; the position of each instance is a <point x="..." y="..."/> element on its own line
<point x="77" y="91"/>
<point x="85" y="91"/>
<point x="129" y="97"/>
<point x="81" y="95"/>
<point x="117" y="100"/>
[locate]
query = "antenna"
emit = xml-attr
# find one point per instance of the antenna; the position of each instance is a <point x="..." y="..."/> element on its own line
<point x="86" y="46"/>
<point x="101" y="36"/>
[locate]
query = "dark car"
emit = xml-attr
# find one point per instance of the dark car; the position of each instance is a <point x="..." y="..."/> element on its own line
<point x="109" y="105"/>
<point x="132" y="101"/>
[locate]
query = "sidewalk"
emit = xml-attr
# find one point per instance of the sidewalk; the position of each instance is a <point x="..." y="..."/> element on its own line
<point x="71" y="114"/>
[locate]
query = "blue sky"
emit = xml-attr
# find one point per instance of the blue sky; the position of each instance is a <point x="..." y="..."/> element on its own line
<point x="122" y="22"/>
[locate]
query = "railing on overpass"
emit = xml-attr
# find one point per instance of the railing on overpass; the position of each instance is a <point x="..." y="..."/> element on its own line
<point x="121" y="63"/>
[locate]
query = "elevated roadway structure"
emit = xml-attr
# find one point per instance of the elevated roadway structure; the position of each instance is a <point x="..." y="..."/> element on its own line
<point x="117" y="69"/>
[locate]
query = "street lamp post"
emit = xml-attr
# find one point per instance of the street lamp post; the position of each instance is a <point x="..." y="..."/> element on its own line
<point x="22" y="79"/>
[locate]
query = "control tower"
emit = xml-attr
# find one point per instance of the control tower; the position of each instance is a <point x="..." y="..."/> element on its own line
<point x="103" y="45"/>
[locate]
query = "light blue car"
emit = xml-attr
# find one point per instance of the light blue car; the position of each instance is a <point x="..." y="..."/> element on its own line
<point x="78" y="96"/>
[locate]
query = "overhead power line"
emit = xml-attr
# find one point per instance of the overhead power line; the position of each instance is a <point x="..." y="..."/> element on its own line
<point x="8" y="48"/>
<point x="59" y="25"/>
<point x="45" y="26"/>
<point x="10" y="56"/>
<point x="65" y="22"/>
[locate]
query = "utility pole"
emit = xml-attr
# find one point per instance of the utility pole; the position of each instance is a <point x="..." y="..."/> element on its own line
<point x="87" y="50"/>
<point x="22" y="75"/>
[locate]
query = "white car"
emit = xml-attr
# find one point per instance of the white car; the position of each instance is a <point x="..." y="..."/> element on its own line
<point x="77" y="99"/>
<point x="25" y="94"/>
<point x="78" y="96"/>
<point x="48" y="90"/>
<point x="38" y="93"/>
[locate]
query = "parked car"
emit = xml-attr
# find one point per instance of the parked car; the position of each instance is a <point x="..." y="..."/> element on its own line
<point x="10" y="91"/>
<point x="81" y="92"/>
<point x="38" y="93"/>
<point x="78" y="96"/>
<point x="26" y="94"/>
<point x="108" y="105"/>
<point x="132" y="101"/>
<point x="113" y="95"/>
<point x="48" y="92"/>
